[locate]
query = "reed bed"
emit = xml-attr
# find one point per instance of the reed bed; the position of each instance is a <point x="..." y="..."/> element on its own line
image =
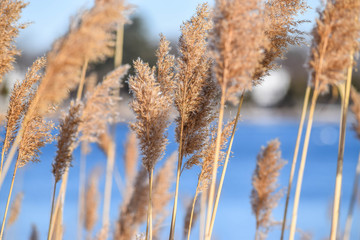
<point x="223" y="53"/>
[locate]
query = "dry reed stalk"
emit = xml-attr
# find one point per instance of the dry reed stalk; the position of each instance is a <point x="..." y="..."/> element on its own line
<point x="99" y="110"/>
<point x="207" y="154"/>
<point x="151" y="106"/>
<point x="15" y="209"/>
<point x="82" y="170"/>
<point x="354" y="196"/>
<point x="37" y="133"/>
<point x="195" y="94"/>
<point x="92" y="200"/>
<point x="225" y="166"/>
<point x="295" y="156"/>
<point x="58" y="225"/>
<point x="66" y="139"/>
<point x="10" y="11"/>
<point x="264" y="196"/>
<point x="237" y="41"/>
<point x="18" y="104"/>
<point x="119" y="45"/>
<point x="335" y="39"/>
<point x="340" y="162"/>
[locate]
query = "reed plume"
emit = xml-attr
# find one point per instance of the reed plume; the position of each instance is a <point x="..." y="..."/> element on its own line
<point x="264" y="197"/>
<point x="18" y="104"/>
<point x="9" y="29"/>
<point x="36" y="133"/>
<point x="281" y="31"/>
<point x="90" y="39"/>
<point x="101" y="106"/>
<point x="92" y="200"/>
<point x="195" y="93"/>
<point x="237" y="45"/>
<point x="335" y="39"/>
<point x="15" y="209"/>
<point x="66" y="139"/>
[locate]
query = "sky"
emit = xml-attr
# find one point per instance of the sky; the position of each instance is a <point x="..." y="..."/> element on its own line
<point x="50" y="19"/>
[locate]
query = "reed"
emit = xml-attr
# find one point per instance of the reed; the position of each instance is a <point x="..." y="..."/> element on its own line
<point x="264" y="197"/>
<point x="330" y="57"/>
<point x="9" y="29"/>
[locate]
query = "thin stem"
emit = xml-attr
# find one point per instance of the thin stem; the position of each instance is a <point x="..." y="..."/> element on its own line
<point x="215" y="166"/>
<point x="52" y="210"/>
<point x="81" y="200"/>
<point x="150" y="205"/>
<point x="61" y="197"/>
<point x="178" y="173"/>
<point x="296" y="153"/>
<point x="10" y="156"/>
<point x="108" y="184"/>
<point x="119" y="45"/>
<point x="8" y="201"/>
<point x="82" y="79"/>
<point x="302" y="163"/>
<point x="192" y="210"/>
<point x="225" y="167"/>
<point x="2" y="155"/>
<point x="352" y="202"/>
<point x="340" y="161"/>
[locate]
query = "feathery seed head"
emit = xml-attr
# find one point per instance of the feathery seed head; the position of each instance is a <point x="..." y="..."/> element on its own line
<point x="19" y="101"/>
<point x="15" y="209"/>
<point x="280" y="29"/>
<point x="101" y="106"/>
<point x="66" y="139"/>
<point x="10" y="11"/>
<point x="91" y="39"/>
<point x="238" y="42"/>
<point x="264" y="181"/>
<point x="151" y="108"/>
<point x="335" y="39"/>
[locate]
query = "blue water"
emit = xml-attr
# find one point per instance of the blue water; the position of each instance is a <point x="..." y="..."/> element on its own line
<point x="234" y="219"/>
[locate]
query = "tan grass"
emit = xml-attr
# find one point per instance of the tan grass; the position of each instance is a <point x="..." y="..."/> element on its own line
<point x="264" y="197"/>
<point x="9" y="29"/>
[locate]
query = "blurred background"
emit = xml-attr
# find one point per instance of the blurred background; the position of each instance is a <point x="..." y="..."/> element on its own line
<point x="271" y="111"/>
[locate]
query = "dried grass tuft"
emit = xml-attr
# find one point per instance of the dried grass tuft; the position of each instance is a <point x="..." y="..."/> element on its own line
<point x="66" y="139"/>
<point x="264" y="197"/>
<point x="335" y="40"/>
<point x="10" y="11"/>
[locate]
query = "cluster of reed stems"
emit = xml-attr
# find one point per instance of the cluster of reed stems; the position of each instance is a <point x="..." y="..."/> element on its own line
<point x="223" y="53"/>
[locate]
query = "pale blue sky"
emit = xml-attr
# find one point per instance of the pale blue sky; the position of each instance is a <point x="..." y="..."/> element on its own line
<point x="50" y="19"/>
